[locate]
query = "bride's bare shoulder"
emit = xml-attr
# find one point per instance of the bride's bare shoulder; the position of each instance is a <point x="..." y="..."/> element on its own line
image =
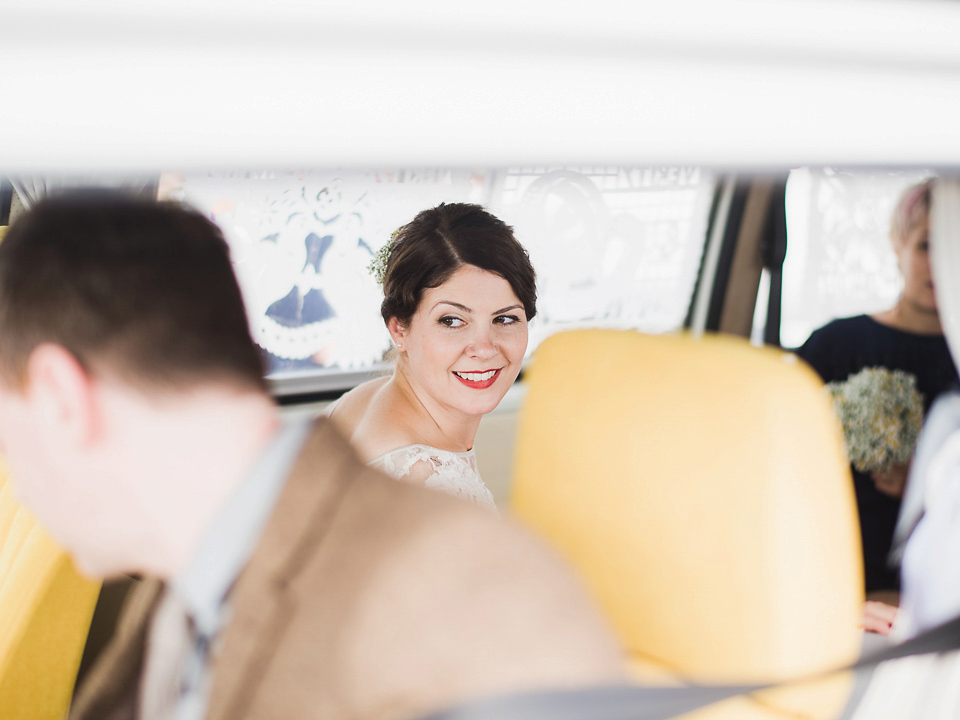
<point x="371" y="416"/>
<point x="348" y="410"/>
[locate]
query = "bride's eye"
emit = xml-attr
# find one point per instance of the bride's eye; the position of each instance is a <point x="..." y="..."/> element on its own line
<point x="450" y="321"/>
<point x="506" y="319"/>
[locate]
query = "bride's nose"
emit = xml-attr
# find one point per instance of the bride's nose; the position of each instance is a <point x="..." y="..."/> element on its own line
<point x="482" y="345"/>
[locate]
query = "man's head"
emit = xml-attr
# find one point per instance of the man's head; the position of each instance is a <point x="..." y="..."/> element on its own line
<point x="135" y="289"/>
<point x="123" y="345"/>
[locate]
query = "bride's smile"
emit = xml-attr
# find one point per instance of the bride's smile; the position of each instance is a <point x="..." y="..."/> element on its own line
<point x="478" y="380"/>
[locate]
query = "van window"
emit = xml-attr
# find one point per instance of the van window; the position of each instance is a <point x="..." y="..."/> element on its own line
<point x="839" y="260"/>
<point x="612" y="246"/>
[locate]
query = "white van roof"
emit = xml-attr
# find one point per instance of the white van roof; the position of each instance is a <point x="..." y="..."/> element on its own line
<point x="110" y="84"/>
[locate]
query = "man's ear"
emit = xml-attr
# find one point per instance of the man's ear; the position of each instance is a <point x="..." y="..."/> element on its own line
<point x="398" y="332"/>
<point x="62" y="395"/>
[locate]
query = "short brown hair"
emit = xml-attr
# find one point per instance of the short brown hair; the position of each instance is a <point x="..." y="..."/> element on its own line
<point x="439" y="241"/>
<point x="142" y="289"/>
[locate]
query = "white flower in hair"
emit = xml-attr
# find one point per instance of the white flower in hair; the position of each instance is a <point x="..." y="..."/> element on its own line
<point x="378" y="266"/>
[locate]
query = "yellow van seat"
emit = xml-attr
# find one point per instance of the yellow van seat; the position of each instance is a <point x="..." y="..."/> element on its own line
<point x="45" y="611"/>
<point x="700" y="487"/>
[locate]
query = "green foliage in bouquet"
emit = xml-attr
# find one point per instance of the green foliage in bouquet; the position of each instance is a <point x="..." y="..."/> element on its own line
<point x="881" y="412"/>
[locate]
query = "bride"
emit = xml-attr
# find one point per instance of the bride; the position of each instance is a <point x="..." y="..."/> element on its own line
<point x="458" y="291"/>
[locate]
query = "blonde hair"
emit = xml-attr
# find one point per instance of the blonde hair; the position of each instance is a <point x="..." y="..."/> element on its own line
<point x="911" y="208"/>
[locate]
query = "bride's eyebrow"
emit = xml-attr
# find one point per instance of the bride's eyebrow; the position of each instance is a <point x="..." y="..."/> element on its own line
<point x="465" y="309"/>
<point x="455" y="304"/>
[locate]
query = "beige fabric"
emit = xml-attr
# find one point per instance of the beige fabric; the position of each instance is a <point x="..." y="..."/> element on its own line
<point x="371" y="599"/>
<point x="109" y="691"/>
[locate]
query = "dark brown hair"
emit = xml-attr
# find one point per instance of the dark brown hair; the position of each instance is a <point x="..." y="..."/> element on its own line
<point x="141" y="289"/>
<point x="439" y="241"/>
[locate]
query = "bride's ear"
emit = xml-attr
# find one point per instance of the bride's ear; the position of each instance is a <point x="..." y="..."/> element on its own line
<point x="397" y="332"/>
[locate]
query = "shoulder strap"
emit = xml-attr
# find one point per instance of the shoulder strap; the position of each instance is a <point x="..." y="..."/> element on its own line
<point x="941" y="638"/>
<point x="662" y="703"/>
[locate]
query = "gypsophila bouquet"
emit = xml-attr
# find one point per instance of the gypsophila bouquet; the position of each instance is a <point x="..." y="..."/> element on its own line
<point x="881" y="412"/>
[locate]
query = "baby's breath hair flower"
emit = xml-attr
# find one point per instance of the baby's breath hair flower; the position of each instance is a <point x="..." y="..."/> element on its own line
<point x="881" y="412"/>
<point x="378" y="265"/>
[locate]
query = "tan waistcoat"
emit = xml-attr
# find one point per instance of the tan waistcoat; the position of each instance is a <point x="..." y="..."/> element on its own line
<point x="370" y="599"/>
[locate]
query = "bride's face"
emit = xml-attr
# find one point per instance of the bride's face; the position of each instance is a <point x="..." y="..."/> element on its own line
<point x="465" y="344"/>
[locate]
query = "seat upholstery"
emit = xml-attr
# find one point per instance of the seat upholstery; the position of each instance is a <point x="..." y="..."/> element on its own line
<point x="701" y="489"/>
<point x="45" y="610"/>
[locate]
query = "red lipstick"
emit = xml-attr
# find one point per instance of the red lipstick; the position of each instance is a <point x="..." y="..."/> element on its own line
<point x="478" y="384"/>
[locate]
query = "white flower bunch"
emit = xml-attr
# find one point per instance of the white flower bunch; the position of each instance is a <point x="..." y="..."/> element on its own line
<point x="881" y="412"/>
<point x="378" y="265"/>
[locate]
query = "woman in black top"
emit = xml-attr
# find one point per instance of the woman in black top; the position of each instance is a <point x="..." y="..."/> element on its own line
<point x="906" y="337"/>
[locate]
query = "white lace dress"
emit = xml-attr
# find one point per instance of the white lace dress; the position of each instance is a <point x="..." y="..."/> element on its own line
<point x="454" y="473"/>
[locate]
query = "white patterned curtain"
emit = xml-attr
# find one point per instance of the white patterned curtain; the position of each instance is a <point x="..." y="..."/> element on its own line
<point x="612" y="246"/>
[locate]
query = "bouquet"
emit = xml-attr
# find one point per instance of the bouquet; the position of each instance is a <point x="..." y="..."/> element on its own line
<point x="881" y="412"/>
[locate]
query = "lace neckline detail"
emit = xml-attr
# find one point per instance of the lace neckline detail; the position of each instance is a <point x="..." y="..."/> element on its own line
<point x="430" y="448"/>
<point x="454" y="473"/>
